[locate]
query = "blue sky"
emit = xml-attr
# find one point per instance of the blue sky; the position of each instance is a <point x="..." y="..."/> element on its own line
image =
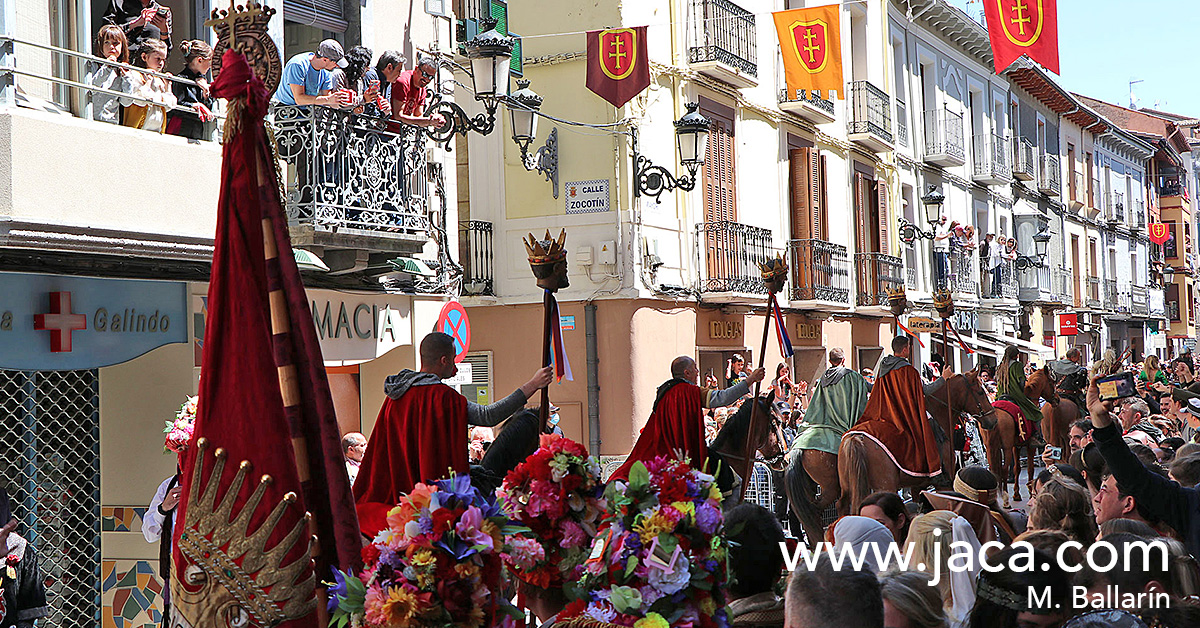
<point x="1102" y="44"/>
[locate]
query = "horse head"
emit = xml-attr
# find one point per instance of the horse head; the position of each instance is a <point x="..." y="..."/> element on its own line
<point x="973" y="400"/>
<point x="767" y="437"/>
<point x="1041" y="384"/>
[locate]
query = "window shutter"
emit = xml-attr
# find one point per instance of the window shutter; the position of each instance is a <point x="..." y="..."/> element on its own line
<point x="862" y="224"/>
<point x="324" y="14"/>
<point x="822" y="203"/>
<point x="800" y="161"/>
<point x="882" y="200"/>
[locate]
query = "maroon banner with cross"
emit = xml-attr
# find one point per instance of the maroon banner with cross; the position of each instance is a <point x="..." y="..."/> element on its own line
<point x="618" y="66"/>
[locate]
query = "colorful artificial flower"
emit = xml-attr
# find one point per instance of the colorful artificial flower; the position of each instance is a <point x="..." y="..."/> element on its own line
<point x="437" y="564"/>
<point x="179" y="431"/>
<point x="660" y="558"/>
<point x="556" y="493"/>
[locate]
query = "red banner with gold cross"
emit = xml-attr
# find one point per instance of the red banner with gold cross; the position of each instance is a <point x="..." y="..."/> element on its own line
<point x="1023" y="27"/>
<point x="811" y="43"/>
<point x="618" y="67"/>
<point x="1159" y="232"/>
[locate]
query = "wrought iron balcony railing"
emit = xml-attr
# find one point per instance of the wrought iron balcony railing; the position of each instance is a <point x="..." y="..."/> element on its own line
<point x="1024" y="159"/>
<point x="1115" y="207"/>
<point x="910" y="278"/>
<point x="1139" y="213"/>
<point x="475" y="246"/>
<point x="1064" y="286"/>
<point x="730" y="253"/>
<point x="354" y="175"/>
<point x="1049" y="175"/>
<point x="1112" y="298"/>
<point x="944" y="138"/>
<point x="901" y="123"/>
<point x="1139" y="300"/>
<point x="963" y="267"/>
<point x="1002" y="282"/>
<point x="820" y="271"/>
<point x="870" y="113"/>
<point x="989" y="156"/>
<point x="1158" y="303"/>
<point x="724" y="32"/>
<point x="1093" y="292"/>
<point x="808" y="97"/>
<point x="875" y="274"/>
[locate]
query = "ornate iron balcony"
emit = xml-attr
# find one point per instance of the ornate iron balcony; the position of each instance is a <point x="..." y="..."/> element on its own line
<point x="820" y="271"/>
<point x="1002" y="282"/>
<point x="1049" y="175"/>
<point x="989" y="157"/>
<point x="944" y="138"/>
<point x="730" y="253"/>
<point x="354" y="176"/>
<point x="475" y="246"/>
<point x="876" y="273"/>
<point x="870" y="115"/>
<point x="722" y="31"/>
<point x="810" y="97"/>
<point x="962" y="272"/>
<point x="1024" y="160"/>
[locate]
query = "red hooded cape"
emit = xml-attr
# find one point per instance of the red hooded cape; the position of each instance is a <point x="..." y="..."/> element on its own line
<point x="895" y="419"/>
<point x="420" y="436"/>
<point x="677" y="423"/>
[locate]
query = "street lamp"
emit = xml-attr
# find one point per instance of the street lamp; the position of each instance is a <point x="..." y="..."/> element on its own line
<point x="932" y="202"/>
<point x="523" y="106"/>
<point x="691" y="142"/>
<point x="491" y="56"/>
<point x="1041" y="245"/>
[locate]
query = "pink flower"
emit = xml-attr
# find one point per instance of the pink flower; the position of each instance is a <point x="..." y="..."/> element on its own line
<point x="469" y="528"/>
<point x="573" y="535"/>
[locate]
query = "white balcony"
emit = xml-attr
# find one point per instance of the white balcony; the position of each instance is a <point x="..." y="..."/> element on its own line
<point x="1024" y="160"/>
<point x="809" y="106"/>
<point x="722" y="42"/>
<point x="989" y="154"/>
<point x="1049" y="175"/>
<point x="944" y="138"/>
<point x="870" y="122"/>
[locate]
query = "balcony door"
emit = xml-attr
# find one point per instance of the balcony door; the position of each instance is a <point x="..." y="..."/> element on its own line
<point x="719" y="178"/>
<point x="871" y="237"/>
<point x="808" y="220"/>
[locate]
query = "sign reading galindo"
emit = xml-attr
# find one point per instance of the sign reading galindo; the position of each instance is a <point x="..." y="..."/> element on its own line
<point x="58" y="322"/>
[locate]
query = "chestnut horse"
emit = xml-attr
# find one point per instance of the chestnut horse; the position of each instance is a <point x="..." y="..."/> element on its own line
<point x="1002" y="441"/>
<point x="1058" y="417"/>
<point x="863" y="467"/>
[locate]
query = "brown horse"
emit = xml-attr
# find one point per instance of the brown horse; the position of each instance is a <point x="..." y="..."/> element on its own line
<point x="1058" y="417"/>
<point x="728" y="450"/>
<point x="864" y="467"/>
<point x="1002" y="441"/>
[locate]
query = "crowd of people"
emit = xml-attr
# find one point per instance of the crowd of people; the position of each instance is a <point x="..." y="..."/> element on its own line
<point x="996" y="252"/>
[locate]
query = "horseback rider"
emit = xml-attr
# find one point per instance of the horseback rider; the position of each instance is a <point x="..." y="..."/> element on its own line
<point x="677" y="420"/>
<point x="1070" y="377"/>
<point x="421" y="432"/>
<point x="837" y="401"/>
<point x="895" y="415"/>
<point x="1010" y="384"/>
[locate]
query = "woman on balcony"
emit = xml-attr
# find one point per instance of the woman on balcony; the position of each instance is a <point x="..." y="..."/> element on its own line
<point x="995" y="260"/>
<point x="198" y="57"/>
<point x="112" y="46"/>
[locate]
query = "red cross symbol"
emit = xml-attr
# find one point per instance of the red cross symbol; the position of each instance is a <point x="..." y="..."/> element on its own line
<point x="60" y="322"/>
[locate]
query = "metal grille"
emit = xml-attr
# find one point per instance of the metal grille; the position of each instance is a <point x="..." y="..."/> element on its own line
<point x="50" y="459"/>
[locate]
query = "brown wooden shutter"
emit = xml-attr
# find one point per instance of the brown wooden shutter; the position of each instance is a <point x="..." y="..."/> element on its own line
<point x="862" y="225"/>
<point x="800" y="162"/>
<point x="822" y="197"/>
<point x="882" y="205"/>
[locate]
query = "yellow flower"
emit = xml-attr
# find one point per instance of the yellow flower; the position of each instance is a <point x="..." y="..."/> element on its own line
<point x="653" y="526"/>
<point x="687" y="508"/>
<point x="714" y="492"/>
<point x="708" y="606"/>
<point x="400" y="606"/>
<point x="652" y="620"/>
<point x="423" y="558"/>
<point x="466" y="570"/>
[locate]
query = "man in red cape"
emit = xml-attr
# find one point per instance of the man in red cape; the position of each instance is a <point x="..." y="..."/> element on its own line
<point x="895" y="415"/>
<point x="266" y="508"/>
<point x="421" y="432"/>
<point x="677" y="421"/>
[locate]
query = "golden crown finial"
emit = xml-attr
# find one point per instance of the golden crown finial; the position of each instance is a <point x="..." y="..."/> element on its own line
<point x="217" y="541"/>
<point x="547" y="251"/>
<point x="773" y="267"/>
<point x="897" y="300"/>
<point x="943" y="303"/>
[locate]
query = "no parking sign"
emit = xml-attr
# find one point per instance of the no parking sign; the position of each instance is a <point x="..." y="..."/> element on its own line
<point x="454" y="323"/>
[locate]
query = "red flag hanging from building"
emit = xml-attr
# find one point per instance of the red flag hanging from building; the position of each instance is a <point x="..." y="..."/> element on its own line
<point x="266" y="507"/>
<point x="618" y="65"/>
<point x="1023" y="27"/>
<point x="1159" y="232"/>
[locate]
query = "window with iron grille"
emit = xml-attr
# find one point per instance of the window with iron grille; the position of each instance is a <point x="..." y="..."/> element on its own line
<point x="50" y="461"/>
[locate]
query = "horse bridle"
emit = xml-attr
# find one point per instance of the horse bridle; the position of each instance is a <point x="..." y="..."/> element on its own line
<point x="974" y="397"/>
<point x="770" y="462"/>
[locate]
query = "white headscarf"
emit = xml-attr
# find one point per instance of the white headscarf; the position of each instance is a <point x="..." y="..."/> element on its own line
<point x="962" y="582"/>
<point x="865" y="535"/>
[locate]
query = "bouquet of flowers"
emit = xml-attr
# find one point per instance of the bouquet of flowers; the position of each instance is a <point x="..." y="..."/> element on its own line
<point x="436" y="565"/>
<point x="179" y="431"/>
<point x="556" y="493"/>
<point x="662" y="559"/>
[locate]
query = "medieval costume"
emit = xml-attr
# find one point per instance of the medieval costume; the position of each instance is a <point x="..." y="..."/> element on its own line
<point x="677" y="423"/>
<point x="895" y="419"/>
<point x="22" y="594"/>
<point x="421" y="434"/>
<point x="838" y="401"/>
<point x="1010" y="386"/>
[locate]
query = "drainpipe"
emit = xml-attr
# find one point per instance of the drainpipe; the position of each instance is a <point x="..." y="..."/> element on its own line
<point x="593" y="379"/>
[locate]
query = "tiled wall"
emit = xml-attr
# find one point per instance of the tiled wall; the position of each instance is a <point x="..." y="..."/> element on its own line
<point x="131" y="591"/>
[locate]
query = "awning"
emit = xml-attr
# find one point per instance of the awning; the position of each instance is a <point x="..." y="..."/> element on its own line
<point x="1042" y="350"/>
<point x="982" y="347"/>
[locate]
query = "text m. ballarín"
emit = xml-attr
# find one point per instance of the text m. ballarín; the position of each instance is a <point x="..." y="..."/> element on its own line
<point x="1110" y="597"/>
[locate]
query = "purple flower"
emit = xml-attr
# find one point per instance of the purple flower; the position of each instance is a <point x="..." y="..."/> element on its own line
<point x="338" y="591"/>
<point x="708" y="518"/>
<point x="459" y="487"/>
<point x="425" y="523"/>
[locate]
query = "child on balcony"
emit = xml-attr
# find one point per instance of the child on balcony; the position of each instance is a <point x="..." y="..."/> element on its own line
<point x="197" y="55"/>
<point x="150" y="96"/>
<point x="112" y="46"/>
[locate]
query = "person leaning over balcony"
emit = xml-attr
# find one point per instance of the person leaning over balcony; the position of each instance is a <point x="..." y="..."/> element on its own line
<point x="353" y="78"/>
<point x="307" y="77"/>
<point x="941" y="250"/>
<point x="995" y="263"/>
<point x="150" y="96"/>
<point x="408" y="91"/>
<point x="198" y="57"/>
<point x="140" y="19"/>
<point x="111" y="45"/>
